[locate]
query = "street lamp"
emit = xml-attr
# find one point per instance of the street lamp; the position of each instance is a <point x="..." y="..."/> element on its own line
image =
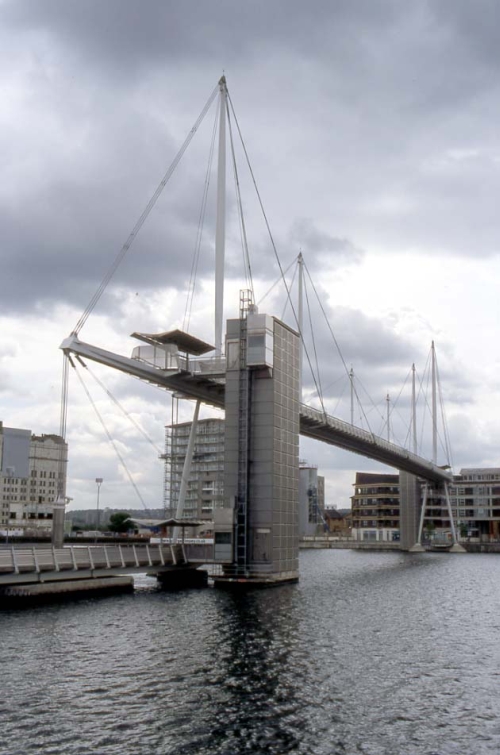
<point x="99" y="481"/>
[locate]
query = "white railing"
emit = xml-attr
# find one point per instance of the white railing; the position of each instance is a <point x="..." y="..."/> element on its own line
<point x="171" y="361"/>
<point x="83" y="557"/>
<point x="368" y="437"/>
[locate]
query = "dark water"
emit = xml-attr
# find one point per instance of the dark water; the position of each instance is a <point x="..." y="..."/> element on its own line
<point x="383" y="654"/>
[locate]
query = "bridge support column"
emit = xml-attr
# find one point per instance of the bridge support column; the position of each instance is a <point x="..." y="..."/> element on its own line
<point x="58" y="515"/>
<point x="409" y="510"/>
<point x="431" y="508"/>
<point x="261" y="455"/>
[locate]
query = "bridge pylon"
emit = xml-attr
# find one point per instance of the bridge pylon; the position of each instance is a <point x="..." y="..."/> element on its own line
<point x="436" y="506"/>
<point x="257" y="539"/>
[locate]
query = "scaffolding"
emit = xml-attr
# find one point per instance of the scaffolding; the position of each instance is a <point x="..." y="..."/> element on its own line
<point x="205" y="484"/>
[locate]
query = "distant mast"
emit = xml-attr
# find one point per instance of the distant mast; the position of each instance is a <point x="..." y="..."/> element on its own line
<point x="434" y="405"/>
<point x="300" y="262"/>
<point x="413" y="409"/>
<point x="351" y="380"/>
<point x="220" y="228"/>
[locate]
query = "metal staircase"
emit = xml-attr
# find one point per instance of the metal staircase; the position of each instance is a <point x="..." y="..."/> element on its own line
<point x="244" y="398"/>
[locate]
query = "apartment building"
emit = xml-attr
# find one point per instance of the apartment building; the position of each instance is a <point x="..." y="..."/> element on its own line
<point x="475" y="501"/>
<point x="30" y="469"/>
<point x="474" y="498"/>
<point x="375" y="507"/>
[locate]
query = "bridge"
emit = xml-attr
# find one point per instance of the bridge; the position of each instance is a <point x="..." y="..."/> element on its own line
<point x="258" y="384"/>
<point x="204" y="380"/>
<point x="65" y="569"/>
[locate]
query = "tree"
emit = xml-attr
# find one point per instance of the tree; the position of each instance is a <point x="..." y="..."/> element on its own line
<point x="120" y="522"/>
<point x="430" y="528"/>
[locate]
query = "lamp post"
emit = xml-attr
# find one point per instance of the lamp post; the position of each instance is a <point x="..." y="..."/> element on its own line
<point x="99" y="481"/>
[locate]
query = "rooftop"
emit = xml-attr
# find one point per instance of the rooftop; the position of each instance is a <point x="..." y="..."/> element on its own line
<point x="184" y="341"/>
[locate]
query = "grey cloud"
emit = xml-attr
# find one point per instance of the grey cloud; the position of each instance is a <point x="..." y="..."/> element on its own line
<point x="8" y="350"/>
<point x="378" y="161"/>
<point x="477" y="28"/>
<point x="126" y="38"/>
<point x="323" y="251"/>
<point x="474" y="443"/>
<point x="371" y="127"/>
<point x="62" y="246"/>
<point x="381" y="359"/>
<point x="364" y="341"/>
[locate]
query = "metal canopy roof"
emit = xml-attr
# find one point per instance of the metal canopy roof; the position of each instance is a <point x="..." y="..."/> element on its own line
<point x="172" y="522"/>
<point x="184" y="341"/>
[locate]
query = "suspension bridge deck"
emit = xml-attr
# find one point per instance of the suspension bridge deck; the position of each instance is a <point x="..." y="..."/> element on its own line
<point x="315" y="424"/>
<point x="198" y="382"/>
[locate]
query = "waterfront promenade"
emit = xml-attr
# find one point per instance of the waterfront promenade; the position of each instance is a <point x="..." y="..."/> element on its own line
<point x="331" y="542"/>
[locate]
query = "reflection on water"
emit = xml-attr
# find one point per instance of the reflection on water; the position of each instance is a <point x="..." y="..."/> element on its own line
<point x="376" y="653"/>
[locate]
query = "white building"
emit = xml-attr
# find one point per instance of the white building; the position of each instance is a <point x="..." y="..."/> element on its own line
<point x="31" y="466"/>
<point x="475" y="500"/>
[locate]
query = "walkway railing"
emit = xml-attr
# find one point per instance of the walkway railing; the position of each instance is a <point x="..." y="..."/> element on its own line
<point x="369" y="439"/>
<point x="85" y="558"/>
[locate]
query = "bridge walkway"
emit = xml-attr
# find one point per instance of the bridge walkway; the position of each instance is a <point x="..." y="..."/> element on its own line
<point x="198" y="382"/>
<point x="20" y="565"/>
<point x="336" y="432"/>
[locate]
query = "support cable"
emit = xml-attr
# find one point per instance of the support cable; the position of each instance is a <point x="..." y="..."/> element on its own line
<point x="340" y="397"/>
<point x="243" y="230"/>
<point x="291" y="289"/>
<point x="313" y="340"/>
<point x="395" y="437"/>
<point x="444" y="441"/>
<point x="120" y="407"/>
<point x="394" y="408"/>
<point x="271" y="237"/>
<point x="277" y="281"/>
<point x="342" y="393"/>
<point x="417" y="397"/>
<point x="446" y="438"/>
<point x="373" y="408"/>
<point x="133" y="234"/>
<point x="199" y="232"/>
<point x="120" y="457"/>
<point x="425" y="389"/>
<point x="337" y="346"/>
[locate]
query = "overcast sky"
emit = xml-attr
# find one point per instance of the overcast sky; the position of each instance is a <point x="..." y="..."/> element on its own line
<point x="372" y="128"/>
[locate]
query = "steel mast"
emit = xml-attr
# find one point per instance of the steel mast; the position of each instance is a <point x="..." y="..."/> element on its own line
<point x="413" y="409"/>
<point x="300" y="262"/>
<point x="351" y="380"/>
<point x="434" y="405"/>
<point x="220" y="228"/>
<point x="220" y="245"/>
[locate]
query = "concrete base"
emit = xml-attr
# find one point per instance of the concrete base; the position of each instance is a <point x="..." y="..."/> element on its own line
<point x="29" y="594"/>
<point x="457" y="548"/>
<point x="247" y="583"/>
<point x="182" y="578"/>
<point x="417" y="548"/>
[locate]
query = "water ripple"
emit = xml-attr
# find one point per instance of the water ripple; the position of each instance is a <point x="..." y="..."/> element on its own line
<point x="380" y="654"/>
